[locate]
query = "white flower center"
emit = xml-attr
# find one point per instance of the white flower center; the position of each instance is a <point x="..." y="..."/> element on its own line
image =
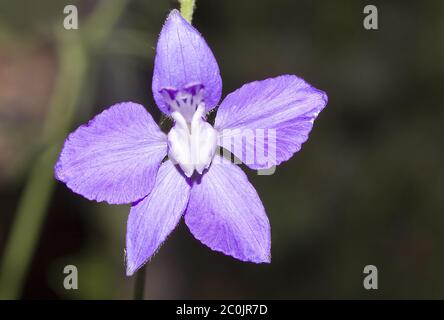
<point x="192" y="140"/>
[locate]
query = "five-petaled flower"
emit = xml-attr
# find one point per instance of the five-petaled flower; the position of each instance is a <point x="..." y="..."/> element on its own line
<point x="118" y="157"/>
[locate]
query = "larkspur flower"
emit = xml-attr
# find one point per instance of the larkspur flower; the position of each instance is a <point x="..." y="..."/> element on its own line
<point x="118" y="157"/>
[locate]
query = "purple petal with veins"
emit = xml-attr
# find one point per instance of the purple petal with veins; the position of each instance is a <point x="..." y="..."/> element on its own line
<point x="183" y="59"/>
<point x="115" y="157"/>
<point x="226" y="214"/>
<point x="270" y="118"/>
<point x="152" y="219"/>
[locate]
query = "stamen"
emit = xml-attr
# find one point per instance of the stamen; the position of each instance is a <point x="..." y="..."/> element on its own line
<point x="192" y="140"/>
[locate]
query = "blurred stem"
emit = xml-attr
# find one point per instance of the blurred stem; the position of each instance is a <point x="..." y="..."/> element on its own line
<point x="34" y="201"/>
<point x="187" y="8"/>
<point x="139" y="286"/>
<point x="100" y="24"/>
<point x="32" y="207"/>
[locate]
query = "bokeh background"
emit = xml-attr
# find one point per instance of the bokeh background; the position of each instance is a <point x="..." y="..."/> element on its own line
<point x="367" y="188"/>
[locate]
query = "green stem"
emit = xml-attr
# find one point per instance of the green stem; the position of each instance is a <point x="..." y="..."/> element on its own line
<point x="139" y="286"/>
<point x="31" y="212"/>
<point x="187" y="8"/>
<point x="33" y="204"/>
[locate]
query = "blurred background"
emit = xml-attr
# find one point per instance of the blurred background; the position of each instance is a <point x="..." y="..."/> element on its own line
<point x="367" y="188"/>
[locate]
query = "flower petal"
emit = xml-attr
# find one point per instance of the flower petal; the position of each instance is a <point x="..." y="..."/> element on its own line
<point x="226" y="214"/>
<point x="115" y="157"/>
<point x="152" y="219"/>
<point x="265" y="122"/>
<point x="183" y="59"/>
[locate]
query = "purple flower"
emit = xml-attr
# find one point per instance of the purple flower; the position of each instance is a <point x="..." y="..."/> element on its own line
<point x="118" y="157"/>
